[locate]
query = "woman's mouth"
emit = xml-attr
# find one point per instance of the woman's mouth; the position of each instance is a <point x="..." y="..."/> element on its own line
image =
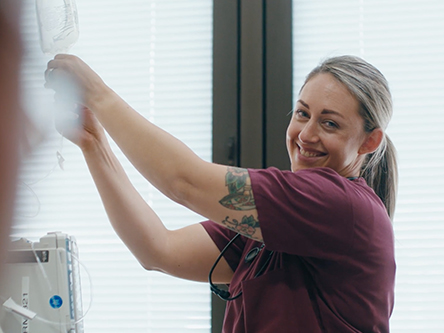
<point x="306" y="153"/>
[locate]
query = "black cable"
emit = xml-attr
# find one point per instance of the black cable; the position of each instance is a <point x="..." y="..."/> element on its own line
<point x="224" y="294"/>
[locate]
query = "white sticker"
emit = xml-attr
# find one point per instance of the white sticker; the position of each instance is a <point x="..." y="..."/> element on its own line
<point x="25" y="302"/>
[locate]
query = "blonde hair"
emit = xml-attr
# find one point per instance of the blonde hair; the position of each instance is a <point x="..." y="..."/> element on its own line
<point x="369" y="86"/>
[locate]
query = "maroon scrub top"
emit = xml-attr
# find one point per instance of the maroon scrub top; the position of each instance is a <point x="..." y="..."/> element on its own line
<point x="332" y="268"/>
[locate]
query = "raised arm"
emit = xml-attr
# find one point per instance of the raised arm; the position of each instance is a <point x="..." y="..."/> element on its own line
<point x="220" y="193"/>
<point x="187" y="253"/>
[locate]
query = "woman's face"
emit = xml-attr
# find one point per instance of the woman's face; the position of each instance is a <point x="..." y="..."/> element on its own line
<point x="326" y="129"/>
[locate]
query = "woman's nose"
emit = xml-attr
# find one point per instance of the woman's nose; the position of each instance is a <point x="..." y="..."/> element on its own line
<point x="309" y="133"/>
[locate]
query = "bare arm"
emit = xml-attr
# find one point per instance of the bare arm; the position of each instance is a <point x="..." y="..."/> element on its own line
<point x="187" y="253"/>
<point x="162" y="159"/>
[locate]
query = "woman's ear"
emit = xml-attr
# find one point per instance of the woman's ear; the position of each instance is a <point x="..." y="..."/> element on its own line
<point x="372" y="141"/>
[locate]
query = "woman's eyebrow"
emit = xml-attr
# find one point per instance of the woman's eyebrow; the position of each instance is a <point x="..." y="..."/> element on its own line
<point x="325" y="111"/>
<point x="304" y="104"/>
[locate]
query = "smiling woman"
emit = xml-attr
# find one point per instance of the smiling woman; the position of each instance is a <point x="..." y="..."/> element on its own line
<point x="325" y="239"/>
<point x="319" y="136"/>
<point x="321" y="226"/>
<point x="352" y="115"/>
<point x="393" y="36"/>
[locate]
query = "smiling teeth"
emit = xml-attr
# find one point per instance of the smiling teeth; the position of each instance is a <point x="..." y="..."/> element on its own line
<point x="308" y="154"/>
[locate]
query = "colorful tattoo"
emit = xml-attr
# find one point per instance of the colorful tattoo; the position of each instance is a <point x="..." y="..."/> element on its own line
<point x="246" y="227"/>
<point x="240" y="195"/>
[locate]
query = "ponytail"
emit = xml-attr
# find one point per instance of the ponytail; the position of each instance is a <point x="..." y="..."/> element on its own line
<point x="381" y="174"/>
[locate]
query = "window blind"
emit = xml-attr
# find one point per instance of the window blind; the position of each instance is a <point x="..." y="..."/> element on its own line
<point x="158" y="56"/>
<point x="405" y="40"/>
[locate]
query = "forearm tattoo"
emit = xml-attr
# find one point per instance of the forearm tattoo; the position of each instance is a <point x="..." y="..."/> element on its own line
<point x="240" y="197"/>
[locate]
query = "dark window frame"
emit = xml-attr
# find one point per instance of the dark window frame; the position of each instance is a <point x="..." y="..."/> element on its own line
<point x="252" y="88"/>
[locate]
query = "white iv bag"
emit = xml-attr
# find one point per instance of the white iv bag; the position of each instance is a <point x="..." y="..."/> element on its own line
<point x="58" y="25"/>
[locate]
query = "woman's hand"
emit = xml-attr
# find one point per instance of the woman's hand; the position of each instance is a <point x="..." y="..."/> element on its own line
<point x="76" y="87"/>
<point x="73" y="79"/>
<point x="81" y="127"/>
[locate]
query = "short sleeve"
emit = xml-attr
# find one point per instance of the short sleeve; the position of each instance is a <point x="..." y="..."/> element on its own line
<point x="221" y="236"/>
<point x="307" y="213"/>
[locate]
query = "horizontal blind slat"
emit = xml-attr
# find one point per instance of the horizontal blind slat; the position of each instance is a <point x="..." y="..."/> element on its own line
<point x="158" y="56"/>
<point x="405" y="40"/>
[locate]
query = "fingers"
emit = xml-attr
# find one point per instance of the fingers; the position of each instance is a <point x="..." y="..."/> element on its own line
<point x="64" y="56"/>
<point x="52" y="75"/>
<point x="68" y="123"/>
<point x="47" y="78"/>
<point x="66" y="71"/>
<point x="57" y="69"/>
<point x="59" y="78"/>
<point x="67" y="75"/>
<point x="67" y="62"/>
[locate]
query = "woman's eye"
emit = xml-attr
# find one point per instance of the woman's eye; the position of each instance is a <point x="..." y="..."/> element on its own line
<point x="330" y="124"/>
<point x="301" y="114"/>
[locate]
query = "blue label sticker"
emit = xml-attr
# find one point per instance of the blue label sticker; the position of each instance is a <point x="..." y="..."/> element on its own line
<point x="55" y="302"/>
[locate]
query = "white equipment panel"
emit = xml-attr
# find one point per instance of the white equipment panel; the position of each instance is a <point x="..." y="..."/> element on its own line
<point x="41" y="291"/>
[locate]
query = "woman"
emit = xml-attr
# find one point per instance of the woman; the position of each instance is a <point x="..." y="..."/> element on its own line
<point x="323" y="238"/>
